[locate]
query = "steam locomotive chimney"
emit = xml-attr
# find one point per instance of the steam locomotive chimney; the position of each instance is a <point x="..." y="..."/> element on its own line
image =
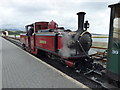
<point x="80" y="24"/>
<point x="81" y="21"/>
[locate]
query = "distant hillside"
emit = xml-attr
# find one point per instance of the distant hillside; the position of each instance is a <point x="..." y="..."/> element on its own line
<point x="13" y="29"/>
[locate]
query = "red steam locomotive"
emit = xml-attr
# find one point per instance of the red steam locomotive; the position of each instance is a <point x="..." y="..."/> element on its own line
<point x="68" y="46"/>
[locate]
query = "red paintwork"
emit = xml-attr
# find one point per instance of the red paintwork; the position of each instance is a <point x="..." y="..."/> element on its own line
<point x="47" y="42"/>
<point x="60" y="44"/>
<point x="44" y="41"/>
<point x="32" y="42"/>
<point x="70" y="63"/>
<point x="41" y="25"/>
<point x="52" y="25"/>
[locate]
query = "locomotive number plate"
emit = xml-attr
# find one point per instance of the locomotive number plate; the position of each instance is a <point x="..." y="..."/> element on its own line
<point x="43" y="42"/>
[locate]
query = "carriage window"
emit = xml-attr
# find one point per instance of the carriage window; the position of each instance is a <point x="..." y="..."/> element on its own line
<point x="116" y="25"/>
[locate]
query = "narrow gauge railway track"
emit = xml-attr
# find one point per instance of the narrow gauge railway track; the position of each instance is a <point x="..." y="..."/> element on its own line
<point x="92" y="79"/>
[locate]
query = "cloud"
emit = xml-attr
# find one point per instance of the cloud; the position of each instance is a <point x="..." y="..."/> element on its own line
<point x="18" y="13"/>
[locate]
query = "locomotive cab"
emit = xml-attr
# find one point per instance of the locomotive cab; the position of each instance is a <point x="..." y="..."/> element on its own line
<point x="37" y="26"/>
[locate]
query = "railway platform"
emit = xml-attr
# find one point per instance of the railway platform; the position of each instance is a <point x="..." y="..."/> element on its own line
<point x="22" y="70"/>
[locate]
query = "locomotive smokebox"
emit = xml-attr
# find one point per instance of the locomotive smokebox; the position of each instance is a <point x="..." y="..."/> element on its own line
<point x="81" y="21"/>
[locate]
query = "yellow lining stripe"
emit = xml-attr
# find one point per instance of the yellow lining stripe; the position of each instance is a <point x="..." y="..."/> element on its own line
<point x="83" y="33"/>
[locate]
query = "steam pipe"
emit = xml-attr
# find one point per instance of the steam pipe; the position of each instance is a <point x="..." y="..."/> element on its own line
<point x="81" y="21"/>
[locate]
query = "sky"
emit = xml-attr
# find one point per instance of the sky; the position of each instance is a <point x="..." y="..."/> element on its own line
<point x="15" y="14"/>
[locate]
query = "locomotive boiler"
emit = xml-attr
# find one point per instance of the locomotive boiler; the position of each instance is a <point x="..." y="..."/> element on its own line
<point x="71" y="47"/>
